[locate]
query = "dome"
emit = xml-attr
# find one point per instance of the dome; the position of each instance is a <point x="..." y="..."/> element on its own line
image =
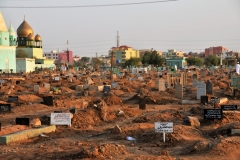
<point x="11" y="30"/>
<point x="38" y="38"/>
<point x="30" y="37"/>
<point x="24" y="29"/>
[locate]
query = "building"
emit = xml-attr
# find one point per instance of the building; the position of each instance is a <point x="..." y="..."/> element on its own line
<point x="172" y="53"/>
<point x="123" y="53"/>
<point x="7" y="47"/>
<point x="65" y="57"/>
<point x="31" y="46"/>
<point x="76" y="58"/>
<point x="216" y="51"/>
<point x="51" y="55"/>
<point x="179" y="61"/>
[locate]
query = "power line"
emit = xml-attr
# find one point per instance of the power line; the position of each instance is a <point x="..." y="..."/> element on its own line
<point x="88" y="6"/>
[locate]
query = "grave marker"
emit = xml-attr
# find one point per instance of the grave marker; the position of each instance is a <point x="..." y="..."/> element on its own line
<point x="36" y="88"/>
<point x="48" y="100"/>
<point x="201" y="89"/>
<point x="12" y="98"/>
<point x="58" y="111"/>
<point x="229" y="107"/>
<point x="60" y="119"/>
<point x="213" y="114"/>
<point x="23" y="121"/>
<point x="204" y="99"/>
<point x="209" y="87"/>
<point x="4" y="108"/>
<point x="164" y="127"/>
<point x="161" y="85"/>
<point x="114" y="85"/>
<point x="106" y="89"/>
<point x="179" y="91"/>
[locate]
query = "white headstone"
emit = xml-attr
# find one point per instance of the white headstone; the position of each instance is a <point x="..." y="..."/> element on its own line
<point x="36" y="88"/>
<point x="161" y="85"/>
<point x="201" y="89"/>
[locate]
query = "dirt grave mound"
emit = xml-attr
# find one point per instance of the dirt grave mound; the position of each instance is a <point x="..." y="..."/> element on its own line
<point x="29" y="98"/>
<point x="112" y="100"/>
<point x="92" y="116"/>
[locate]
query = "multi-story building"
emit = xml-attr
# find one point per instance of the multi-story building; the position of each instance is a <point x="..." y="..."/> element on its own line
<point x="60" y="57"/>
<point x="172" y="53"/>
<point x="124" y="53"/>
<point x="216" y="51"/>
<point x="51" y="55"/>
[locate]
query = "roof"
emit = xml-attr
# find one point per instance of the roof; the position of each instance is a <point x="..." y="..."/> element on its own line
<point x="3" y="26"/>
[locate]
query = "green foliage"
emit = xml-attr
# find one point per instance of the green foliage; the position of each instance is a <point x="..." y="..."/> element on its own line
<point x="54" y="89"/>
<point x="78" y="64"/>
<point x="194" y="61"/>
<point x="133" y="62"/>
<point x="85" y="59"/>
<point x="152" y="58"/>
<point x="96" y="63"/>
<point x="212" y="61"/>
<point x="21" y="54"/>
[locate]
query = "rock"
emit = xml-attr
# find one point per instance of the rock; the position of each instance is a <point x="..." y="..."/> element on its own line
<point x="192" y="121"/>
<point x="117" y="130"/>
<point x="35" y="122"/>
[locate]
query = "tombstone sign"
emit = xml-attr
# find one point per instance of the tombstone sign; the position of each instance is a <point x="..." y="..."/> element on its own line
<point x="48" y="100"/>
<point x="17" y="82"/>
<point x="204" y="99"/>
<point x="56" y="78"/>
<point x="5" y="108"/>
<point x="201" y="89"/>
<point x="106" y="89"/>
<point x="61" y="118"/>
<point x="213" y="114"/>
<point x="194" y="76"/>
<point x="114" y="84"/>
<point x="209" y="87"/>
<point x="23" y="121"/>
<point x="215" y="100"/>
<point x="12" y="98"/>
<point x="164" y="127"/>
<point x="229" y="107"/>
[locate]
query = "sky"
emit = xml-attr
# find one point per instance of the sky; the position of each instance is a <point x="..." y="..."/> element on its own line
<point x="184" y="25"/>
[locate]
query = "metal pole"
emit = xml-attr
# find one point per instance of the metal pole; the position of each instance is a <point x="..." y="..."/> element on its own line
<point x="111" y="66"/>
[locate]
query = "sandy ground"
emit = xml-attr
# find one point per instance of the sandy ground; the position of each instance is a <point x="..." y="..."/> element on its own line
<point x="92" y="135"/>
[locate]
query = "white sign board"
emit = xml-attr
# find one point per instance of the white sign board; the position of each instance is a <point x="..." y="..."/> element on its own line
<point x="163" y="127"/>
<point x="61" y="118"/>
<point x="56" y="78"/>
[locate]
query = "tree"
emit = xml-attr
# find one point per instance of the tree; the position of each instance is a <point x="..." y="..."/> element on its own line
<point x="152" y="58"/>
<point x="146" y="58"/>
<point x="212" y="60"/>
<point x="194" y="61"/>
<point x="85" y="59"/>
<point x="96" y="63"/>
<point x="133" y="62"/>
<point x="21" y="54"/>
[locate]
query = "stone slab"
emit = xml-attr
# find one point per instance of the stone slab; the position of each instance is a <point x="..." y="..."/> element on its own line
<point x="191" y="101"/>
<point x="235" y="131"/>
<point x="22" y="135"/>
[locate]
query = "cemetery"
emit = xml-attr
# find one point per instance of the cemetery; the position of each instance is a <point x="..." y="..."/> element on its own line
<point x="136" y="113"/>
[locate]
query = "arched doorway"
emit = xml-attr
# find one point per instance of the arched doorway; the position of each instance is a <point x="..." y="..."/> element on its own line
<point x="6" y="65"/>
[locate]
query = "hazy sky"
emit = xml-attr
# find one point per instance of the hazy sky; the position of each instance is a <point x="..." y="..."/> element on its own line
<point x="185" y="25"/>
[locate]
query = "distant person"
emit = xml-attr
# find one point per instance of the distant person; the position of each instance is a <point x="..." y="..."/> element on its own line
<point x="237" y="68"/>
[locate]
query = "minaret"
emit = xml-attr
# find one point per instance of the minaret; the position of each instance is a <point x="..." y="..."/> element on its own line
<point x="118" y="38"/>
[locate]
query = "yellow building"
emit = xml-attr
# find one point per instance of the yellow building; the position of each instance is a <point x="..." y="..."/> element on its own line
<point x="123" y="53"/>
